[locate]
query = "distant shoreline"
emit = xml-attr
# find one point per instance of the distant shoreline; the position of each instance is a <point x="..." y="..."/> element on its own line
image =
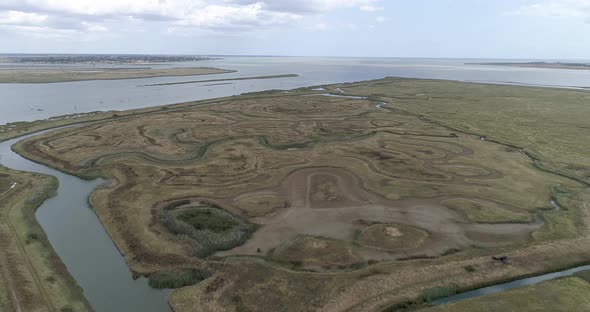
<point x="85" y="74"/>
<point x="225" y="79"/>
<point x="92" y="59"/>
<point x="552" y="65"/>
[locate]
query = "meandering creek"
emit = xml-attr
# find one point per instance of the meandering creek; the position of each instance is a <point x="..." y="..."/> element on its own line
<point x="83" y="245"/>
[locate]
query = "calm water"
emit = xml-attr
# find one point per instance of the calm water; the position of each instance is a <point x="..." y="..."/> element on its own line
<point x="83" y="245"/>
<point x="71" y="225"/>
<point x="23" y="101"/>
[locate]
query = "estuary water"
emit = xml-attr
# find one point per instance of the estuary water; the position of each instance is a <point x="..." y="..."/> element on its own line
<point x="20" y="102"/>
<point x="72" y="226"/>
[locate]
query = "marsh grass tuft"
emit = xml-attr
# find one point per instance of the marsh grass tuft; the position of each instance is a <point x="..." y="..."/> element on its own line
<point x="206" y="219"/>
<point x="584" y="274"/>
<point x="177" y="278"/>
<point x="432" y="294"/>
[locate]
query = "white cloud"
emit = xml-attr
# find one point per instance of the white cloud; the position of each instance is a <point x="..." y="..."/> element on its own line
<point x="208" y="15"/>
<point x="21" y="18"/>
<point x="40" y="32"/>
<point x="39" y="24"/>
<point x="320" y="26"/>
<point x="381" y="19"/>
<point x="317" y="6"/>
<point x="370" y="8"/>
<point x="249" y="16"/>
<point x="556" y="8"/>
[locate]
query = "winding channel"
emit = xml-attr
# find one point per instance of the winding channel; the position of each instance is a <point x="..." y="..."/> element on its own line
<point x="510" y="285"/>
<point x="91" y="257"/>
<point x="83" y="245"/>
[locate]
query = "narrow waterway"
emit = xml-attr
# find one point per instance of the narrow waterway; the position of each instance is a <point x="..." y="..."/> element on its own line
<point x="510" y="285"/>
<point x="83" y="245"/>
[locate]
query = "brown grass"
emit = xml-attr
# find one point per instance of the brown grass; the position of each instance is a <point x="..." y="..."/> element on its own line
<point x="336" y="162"/>
<point x="392" y="236"/>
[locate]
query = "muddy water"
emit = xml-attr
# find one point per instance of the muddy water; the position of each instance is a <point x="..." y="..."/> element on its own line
<point x="83" y="245"/>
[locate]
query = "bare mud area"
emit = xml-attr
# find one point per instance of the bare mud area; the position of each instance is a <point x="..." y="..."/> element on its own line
<point x="331" y="202"/>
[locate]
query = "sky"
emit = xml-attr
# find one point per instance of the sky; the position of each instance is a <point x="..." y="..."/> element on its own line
<point x="528" y="29"/>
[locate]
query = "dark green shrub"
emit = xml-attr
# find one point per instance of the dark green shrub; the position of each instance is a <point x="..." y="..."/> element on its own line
<point x="177" y="278"/>
<point x="437" y="292"/>
<point x="469" y="268"/>
<point x="584" y="274"/>
<point x="208" y="229"/>
<point x="176" y="204"/>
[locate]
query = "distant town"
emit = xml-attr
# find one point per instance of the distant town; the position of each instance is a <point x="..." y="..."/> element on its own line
<point x="99" y="59"/>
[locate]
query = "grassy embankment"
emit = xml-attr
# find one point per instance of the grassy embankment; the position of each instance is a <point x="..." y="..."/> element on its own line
<point x="33" y="276"/>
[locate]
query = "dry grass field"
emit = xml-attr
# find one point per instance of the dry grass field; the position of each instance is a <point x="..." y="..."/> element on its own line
<point x="32" y="276"/>
<point x="315" y="202"/>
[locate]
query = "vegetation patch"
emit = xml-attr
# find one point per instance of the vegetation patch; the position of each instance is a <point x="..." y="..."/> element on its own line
<point x="584" y="274"/>
<point x="307" y="252"/>
<point x="177" y="278"/>
<point x="563" y="223"/>
<point x="486" y="212"/>
<point x="434" y="293"/>
<point x="206" y="227"/>
<point x="391" y="236"/>
<point x="260" y="205"/>
<point x="207" y="220"/>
